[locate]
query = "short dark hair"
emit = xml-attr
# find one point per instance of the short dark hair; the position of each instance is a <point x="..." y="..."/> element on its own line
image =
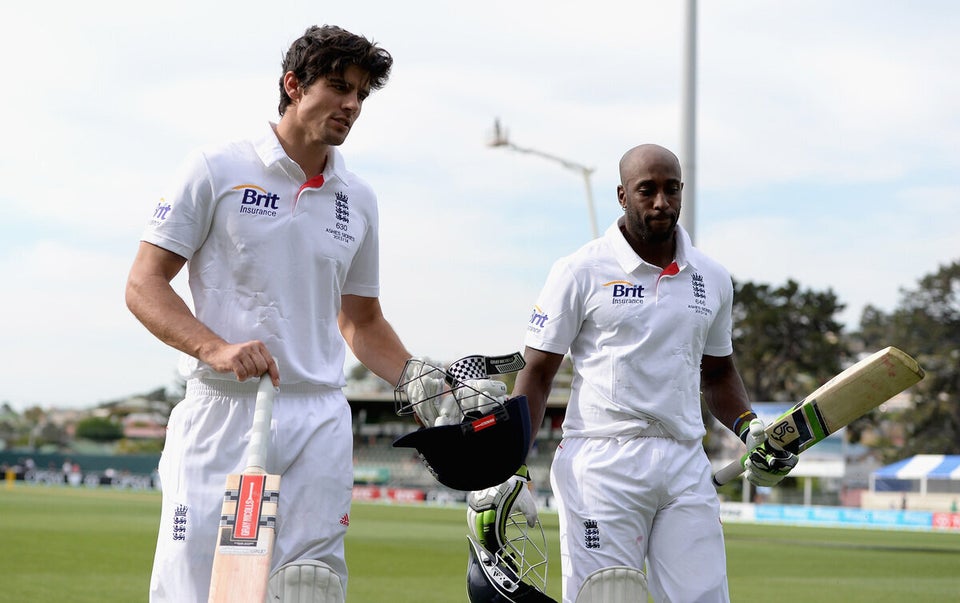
<point x="329" y="49"/>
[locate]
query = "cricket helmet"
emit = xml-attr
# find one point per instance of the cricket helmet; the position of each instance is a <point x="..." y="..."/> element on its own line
<point x="486" y="437"/>
<point x="517" y="573"/>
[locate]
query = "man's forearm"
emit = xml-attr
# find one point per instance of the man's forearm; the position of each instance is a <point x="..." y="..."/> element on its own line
<point x="165" y="314"/>
<point x="378" y="347"/>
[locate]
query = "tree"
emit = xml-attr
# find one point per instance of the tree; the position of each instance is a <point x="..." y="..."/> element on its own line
<point x="50" y="433"/>
<point x="34" y="415"/>
<point x="786" y="342"/>
<point x="99" y="429"/>
<point x="786" y="339"/>
<point x="925" y="324"/>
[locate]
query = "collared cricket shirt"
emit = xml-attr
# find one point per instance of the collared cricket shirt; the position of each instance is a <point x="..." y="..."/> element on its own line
<point x="270" y="253"/>
<point x="636" y="334"/>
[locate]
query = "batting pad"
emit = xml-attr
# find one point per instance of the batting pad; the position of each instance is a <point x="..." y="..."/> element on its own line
<point x="616" y="584"/>
<point x="305" y="581"/>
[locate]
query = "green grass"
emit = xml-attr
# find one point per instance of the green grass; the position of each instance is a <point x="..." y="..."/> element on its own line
<point x="832" y="564"/>
<point x="76" y="544"/>
<point x="95" y="545"/>
<point x="418" y="554"/>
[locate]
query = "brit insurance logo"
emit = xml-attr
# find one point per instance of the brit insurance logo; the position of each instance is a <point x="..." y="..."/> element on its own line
<point x="538" y="320"/>
<point x="625" y="292"/>
<point x="160" y="212"/>
<point x="257" y="201"/>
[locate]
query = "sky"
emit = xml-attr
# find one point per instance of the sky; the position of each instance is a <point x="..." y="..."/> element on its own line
<point x="827" y="152"/>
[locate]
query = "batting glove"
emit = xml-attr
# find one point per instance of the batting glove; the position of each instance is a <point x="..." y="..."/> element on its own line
<point x="488" y="510"/>
<point x="753" y="434"/>
<point x="422" y="384"/>
<point x="478" y="396"/>
<point x="767" y="465"/>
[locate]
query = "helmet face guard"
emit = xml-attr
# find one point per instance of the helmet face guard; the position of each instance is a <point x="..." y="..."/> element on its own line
<point x="488" y="441"/>
<point x="456" y="377"/>
<point x="517" y="573"/>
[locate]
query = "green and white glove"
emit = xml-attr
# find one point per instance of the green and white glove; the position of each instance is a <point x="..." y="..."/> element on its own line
<point x="489" y="510"/>
<point x="766" y="464"/>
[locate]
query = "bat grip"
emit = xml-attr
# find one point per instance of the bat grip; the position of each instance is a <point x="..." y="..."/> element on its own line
<point x="260" y="433"/>
<point x="732" y="470"/>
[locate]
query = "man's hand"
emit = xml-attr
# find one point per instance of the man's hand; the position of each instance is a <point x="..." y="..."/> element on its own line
<point x="422" y="389"/>
<point x="767" y="465"/>
<point x="754" y="434"/>
<point x="477" y="396"/>
<point x="245" y="360"/>
<point x="489" y="509"/>
<point x="422" y="384"/>
<point x="424" y="395"/>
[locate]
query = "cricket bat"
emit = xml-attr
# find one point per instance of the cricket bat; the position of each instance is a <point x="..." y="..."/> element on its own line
<point x="241" y="563"/>
<point x="848" y="396"/>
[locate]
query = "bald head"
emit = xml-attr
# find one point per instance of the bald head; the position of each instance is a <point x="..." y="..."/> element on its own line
<point x="650" y="196"/>
<point x="641" y="157"/>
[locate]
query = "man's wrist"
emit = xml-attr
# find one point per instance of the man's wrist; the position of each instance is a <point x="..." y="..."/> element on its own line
<point x="741" y="426"/>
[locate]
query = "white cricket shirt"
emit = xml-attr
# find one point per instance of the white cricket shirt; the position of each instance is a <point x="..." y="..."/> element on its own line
<point x="635" y="333"/>
<point x="269" y="253"/>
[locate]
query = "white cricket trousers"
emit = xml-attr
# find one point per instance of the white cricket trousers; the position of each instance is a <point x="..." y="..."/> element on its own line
<point x="636" y="501"/>
<point x="311" y="447"/>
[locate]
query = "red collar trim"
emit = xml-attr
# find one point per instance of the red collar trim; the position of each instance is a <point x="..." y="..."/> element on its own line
<point x="670" y="270"/>
<point x="315" y="182"/>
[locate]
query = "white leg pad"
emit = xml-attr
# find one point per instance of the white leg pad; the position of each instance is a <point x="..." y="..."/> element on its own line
<point x="305" y="581"/>
<point x="617" y="584"/>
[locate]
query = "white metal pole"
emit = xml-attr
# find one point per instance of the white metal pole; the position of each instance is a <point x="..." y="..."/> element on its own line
<point x="688" y="152"/>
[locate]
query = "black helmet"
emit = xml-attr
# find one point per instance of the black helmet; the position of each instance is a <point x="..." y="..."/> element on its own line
<point x="484" y="445"/>
<point x="480" y="452"/>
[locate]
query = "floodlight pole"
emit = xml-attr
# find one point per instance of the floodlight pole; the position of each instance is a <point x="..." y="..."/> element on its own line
<point x="688" y="150"/>
<point x="500" y="139"/>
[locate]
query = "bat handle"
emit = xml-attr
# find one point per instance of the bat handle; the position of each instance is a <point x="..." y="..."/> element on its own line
<point x="732" y="470"/>
<point x="262" y="415"/>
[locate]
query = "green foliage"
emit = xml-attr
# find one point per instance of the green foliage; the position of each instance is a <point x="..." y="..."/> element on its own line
<point x="138" y="446"/>
<point x="926" y="324"/>
<point x="34" y="415"/>
<point x="786" y="339"/>
<point x="99" y="429"/>
<point x="52" y="434"/>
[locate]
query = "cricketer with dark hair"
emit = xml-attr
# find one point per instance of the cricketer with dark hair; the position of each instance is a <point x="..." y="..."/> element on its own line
<point x="281" y="244"/>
